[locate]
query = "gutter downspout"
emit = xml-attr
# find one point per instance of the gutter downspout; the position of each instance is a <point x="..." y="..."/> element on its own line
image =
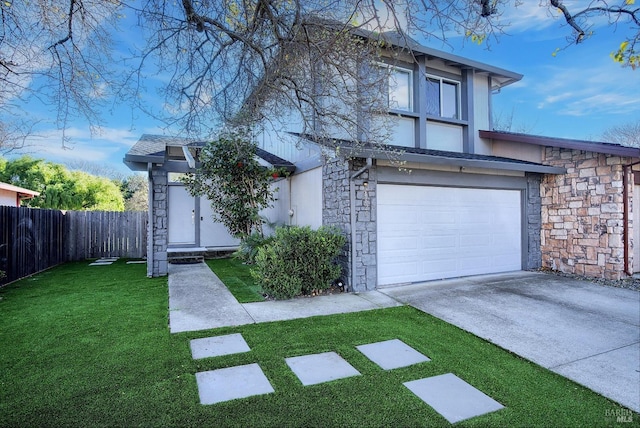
<point x="352" y="200"/>
<point x="150" y="222"/>
<point x="625" y="215"/>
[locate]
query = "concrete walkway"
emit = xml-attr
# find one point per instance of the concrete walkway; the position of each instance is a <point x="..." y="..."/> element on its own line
<point x="198" y="300"/>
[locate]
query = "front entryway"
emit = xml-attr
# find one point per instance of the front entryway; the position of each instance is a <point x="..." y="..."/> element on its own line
<point x="181" y="229"/>
<point x="191" y="224"/>
<point x="430" y="232"/>
<point x="213" y="234"/>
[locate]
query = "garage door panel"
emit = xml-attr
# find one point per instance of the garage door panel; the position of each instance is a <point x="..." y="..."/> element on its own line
<point x="399" y="245"/>
<point x="439" y="241"/>
<point x="456" y="232"/>
<point x="402" y="271"/>
<point x="438" y="217"/>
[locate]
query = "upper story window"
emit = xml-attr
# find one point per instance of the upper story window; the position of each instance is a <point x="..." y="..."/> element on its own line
<point x="399" y="87"/>
<point x="443" y="97"/>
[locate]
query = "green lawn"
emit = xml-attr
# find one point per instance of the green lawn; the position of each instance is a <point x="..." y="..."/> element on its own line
<point x="237" y="277"/>
<point x="90" y="346"/>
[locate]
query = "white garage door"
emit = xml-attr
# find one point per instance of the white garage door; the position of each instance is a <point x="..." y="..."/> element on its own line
<point x="427" y="233"/>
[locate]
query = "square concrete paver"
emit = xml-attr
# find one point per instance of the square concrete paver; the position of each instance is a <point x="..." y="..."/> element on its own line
<point x="452" y="397"/>
<point x="220" y="385"/>
<point x="320" y="368"/>
<point x="392" y="354"/>
<point x="218" y="345"/>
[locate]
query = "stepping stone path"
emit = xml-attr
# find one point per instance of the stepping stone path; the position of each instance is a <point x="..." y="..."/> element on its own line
<point x="320" y="368"/>
<point x="392" y="354"/>
<point x="452" y="397"/>
<point x="218" y="346"/>
<point x="220" y="385"/>
<point x="104" y="261"/>
<point x="447" y="394"/>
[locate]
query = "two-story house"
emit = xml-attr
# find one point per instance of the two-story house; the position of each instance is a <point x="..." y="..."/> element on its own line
<point x="446" y="196"/>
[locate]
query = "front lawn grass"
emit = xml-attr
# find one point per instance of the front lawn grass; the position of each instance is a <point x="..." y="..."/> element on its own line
<point x="90" y="346"/>
<point x="237" y="277"/>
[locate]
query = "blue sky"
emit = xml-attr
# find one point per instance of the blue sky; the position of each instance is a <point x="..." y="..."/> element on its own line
<point x="579" y="93"/>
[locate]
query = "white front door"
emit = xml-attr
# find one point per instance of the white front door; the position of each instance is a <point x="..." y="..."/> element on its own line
<point x="181" y="217"/>
<point x="636" y="228"/>
<point x="212" y="233"/>
<point x="427" y="233"/>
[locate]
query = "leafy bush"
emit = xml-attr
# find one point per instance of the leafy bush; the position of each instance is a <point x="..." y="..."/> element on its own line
<point x="249" y="246"/>
<point x="298" y="261"/>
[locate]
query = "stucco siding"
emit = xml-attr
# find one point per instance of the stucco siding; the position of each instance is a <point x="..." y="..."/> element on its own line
<point x="444" y="136"/>
<point x="306" y="198"/>
<point x="520" y="151"/>
<point x="8" y="198"/>
<point x="481" y="112"/>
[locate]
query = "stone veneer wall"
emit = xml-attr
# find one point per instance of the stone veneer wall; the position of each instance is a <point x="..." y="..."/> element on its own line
<point x="336" y="211"/>
<point x="158" y="226"/>
<point x="582" y="214"/>
<point x="534" y="221"/>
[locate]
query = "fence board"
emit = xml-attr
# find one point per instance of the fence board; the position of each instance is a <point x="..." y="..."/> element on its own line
<point x="32" y="240"/>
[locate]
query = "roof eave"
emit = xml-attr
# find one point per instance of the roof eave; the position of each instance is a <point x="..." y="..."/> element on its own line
<point x="460" y="162"/>
<point x="563" y="143"/>
<point x="458" y="61"/>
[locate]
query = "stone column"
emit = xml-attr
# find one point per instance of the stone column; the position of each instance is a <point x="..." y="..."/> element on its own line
<point x="534" y="222"/>
<point x="337" y="211"/>
<point x="158" y="226"/>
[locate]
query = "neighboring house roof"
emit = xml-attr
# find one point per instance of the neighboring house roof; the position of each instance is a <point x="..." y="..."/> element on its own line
<point x="436" y="157"/>
<point x="153" y="149"/>
<point x="564" y="143"/>
<point x="21" y="191"/>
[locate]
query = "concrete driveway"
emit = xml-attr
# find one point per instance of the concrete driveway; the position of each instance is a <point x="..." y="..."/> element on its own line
<point x="583" y="331"/>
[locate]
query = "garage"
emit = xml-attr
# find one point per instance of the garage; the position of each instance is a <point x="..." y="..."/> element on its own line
<point x="431" y="232"/>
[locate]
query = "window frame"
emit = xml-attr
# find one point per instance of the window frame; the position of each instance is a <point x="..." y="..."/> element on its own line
<point x="458" y="98"/>
<point x="390" y="69"/>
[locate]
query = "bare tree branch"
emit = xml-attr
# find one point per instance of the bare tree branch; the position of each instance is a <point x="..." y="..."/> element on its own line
<point x="224" y="61"/>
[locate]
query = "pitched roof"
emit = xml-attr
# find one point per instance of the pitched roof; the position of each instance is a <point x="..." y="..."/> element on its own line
<point x="435" y="157"/>
<point x="501" y="76"/>
<point x="153" y="149"/>
<point x="564" y="143"/>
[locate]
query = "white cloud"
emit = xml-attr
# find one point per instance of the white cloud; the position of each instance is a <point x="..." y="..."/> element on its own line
<point x="529" y="15"/>
<point x="120" y="136"/>
<point x="596" y="87"/>
<point x="92" y="145"/>
<point x="541" y="21"/>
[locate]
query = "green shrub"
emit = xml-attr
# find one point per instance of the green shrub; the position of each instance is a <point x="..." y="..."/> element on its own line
<point x="249" y="246"/>
<point x="298" y="261"/>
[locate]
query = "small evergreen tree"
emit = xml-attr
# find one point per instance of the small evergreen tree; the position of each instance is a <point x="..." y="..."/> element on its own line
<point x="236" y="184"/>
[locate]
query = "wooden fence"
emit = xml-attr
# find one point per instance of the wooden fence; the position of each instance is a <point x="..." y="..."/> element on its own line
<point x="32" y="240"/>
